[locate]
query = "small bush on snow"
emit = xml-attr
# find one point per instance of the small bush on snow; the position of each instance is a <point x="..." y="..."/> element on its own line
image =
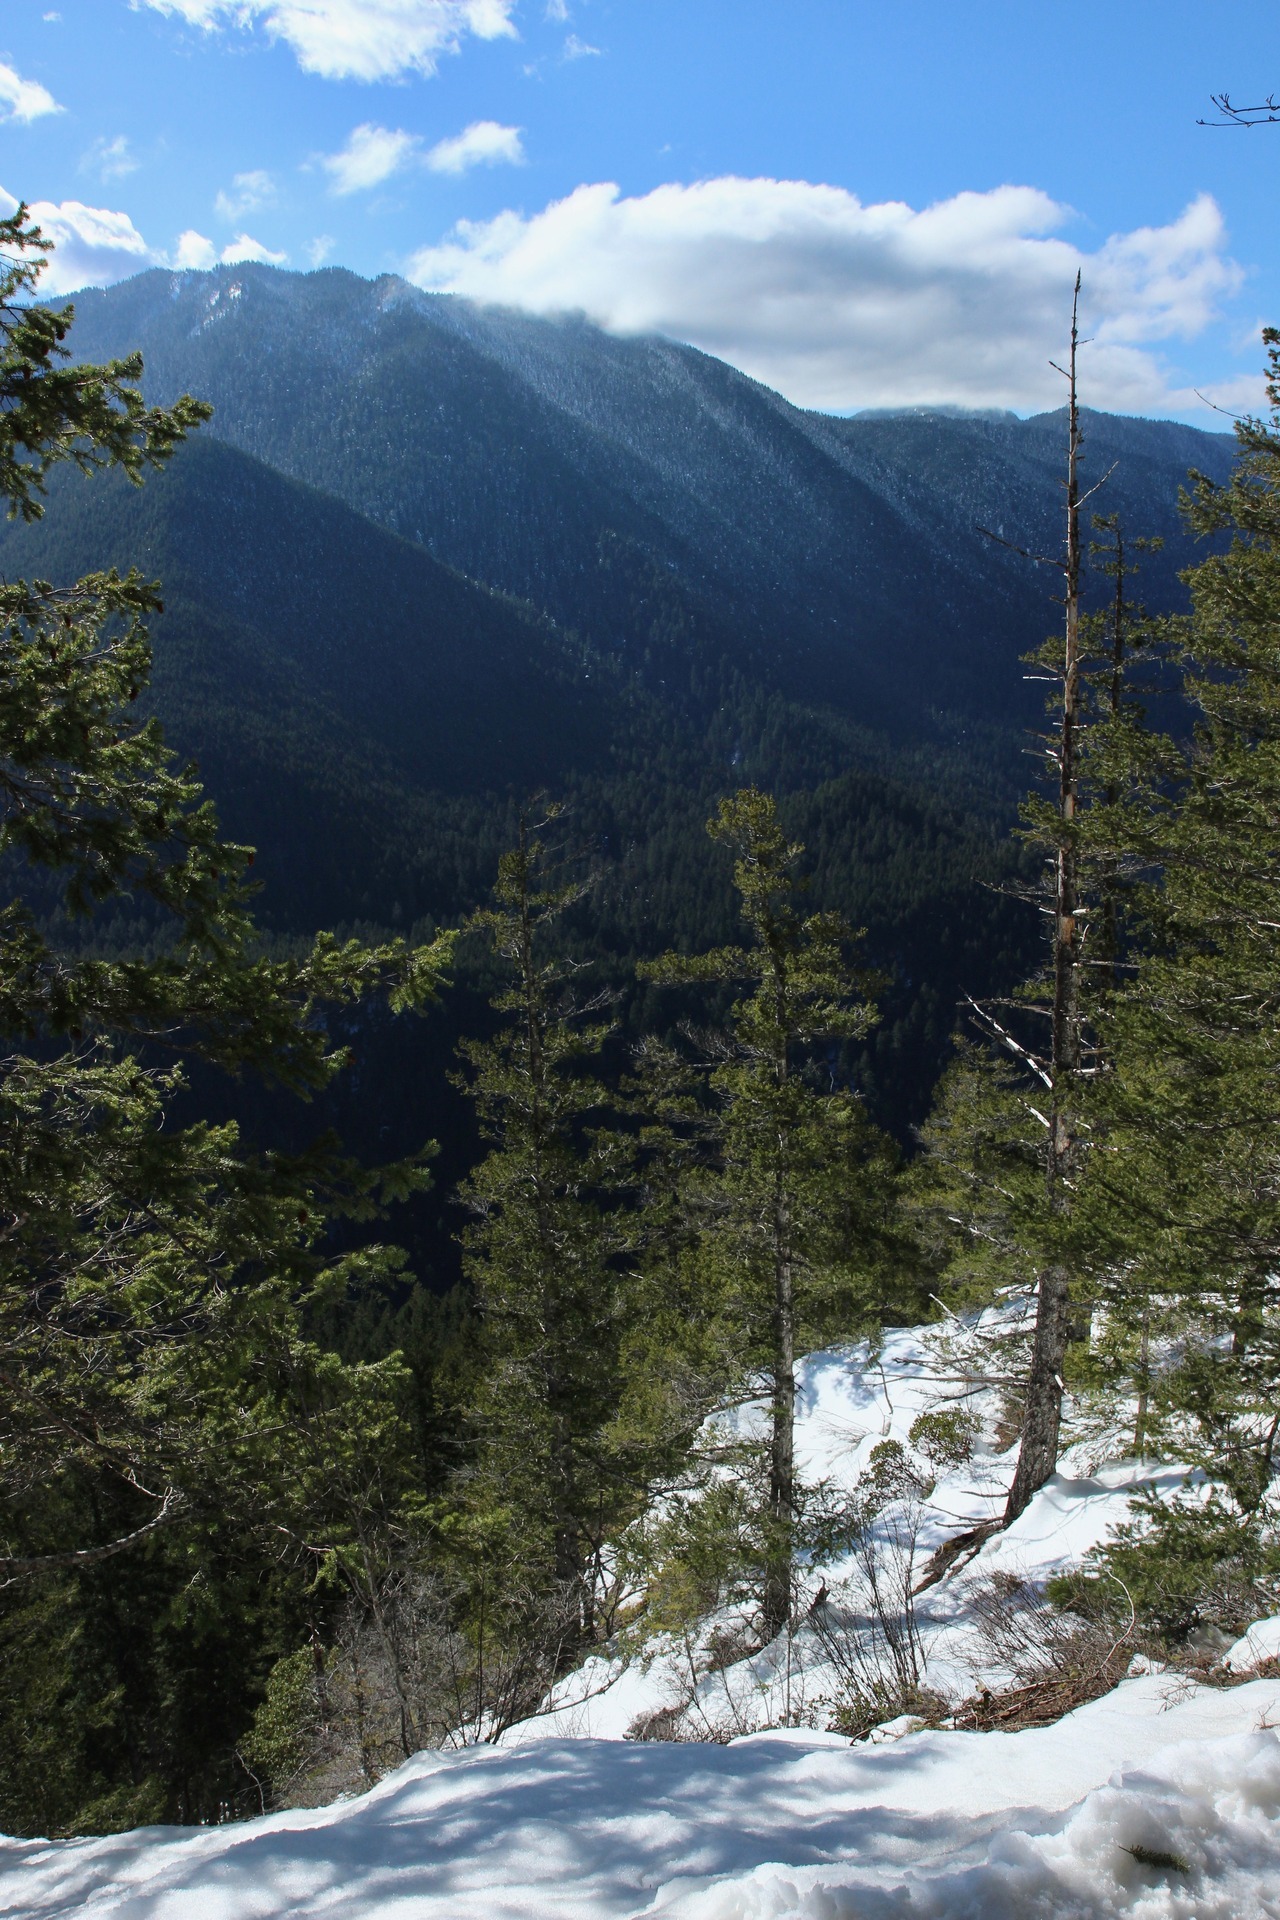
<point x="1186" y="1565"/>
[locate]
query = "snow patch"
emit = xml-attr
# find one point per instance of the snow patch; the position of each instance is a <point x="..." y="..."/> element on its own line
<point x="1259" y="1642"/>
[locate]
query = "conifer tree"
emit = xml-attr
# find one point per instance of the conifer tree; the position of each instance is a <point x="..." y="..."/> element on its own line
<point x="797" y="1208"/>
<point x="1011" y="1139"/>
<point x="1042" y="1409"/>
<point x="546" y="1253"/>
<point x="1186" y="1192"/>
<point x="152" y="1274"/>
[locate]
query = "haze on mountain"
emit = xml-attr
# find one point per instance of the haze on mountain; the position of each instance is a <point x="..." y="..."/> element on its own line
<point x="431" y="558"/>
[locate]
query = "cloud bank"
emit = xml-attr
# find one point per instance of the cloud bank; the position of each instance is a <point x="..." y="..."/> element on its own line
<point x="23" y="100"/>
<point x="841" y="305"/>
<point x="357" y="39"/>
<point x="94" y="246"/>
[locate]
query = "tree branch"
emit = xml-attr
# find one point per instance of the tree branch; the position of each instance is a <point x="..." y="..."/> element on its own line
<point x="18" y="1567"/>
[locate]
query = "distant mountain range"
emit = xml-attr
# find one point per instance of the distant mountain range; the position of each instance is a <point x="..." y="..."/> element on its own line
<point x="430" y="558"/>
<point x="835" y="560"/>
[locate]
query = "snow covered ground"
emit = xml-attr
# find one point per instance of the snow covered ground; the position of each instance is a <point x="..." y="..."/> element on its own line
<point x="970" y="1826"/>
<point x="849" y="1400"/>
<point x="568" y="1817"/>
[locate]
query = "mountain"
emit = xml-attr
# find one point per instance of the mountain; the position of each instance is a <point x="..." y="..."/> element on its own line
<point x="698" y="1775"/>
<point x="837" y="561"/>
<point x="429" y="559"/>
<point x="333" y="681"/>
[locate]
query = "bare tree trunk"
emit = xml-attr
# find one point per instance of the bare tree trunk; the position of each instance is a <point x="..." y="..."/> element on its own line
<point x="1144" y="1386"/>
<point x="1038" y="1455"/>
<point x="776" y="1597"/>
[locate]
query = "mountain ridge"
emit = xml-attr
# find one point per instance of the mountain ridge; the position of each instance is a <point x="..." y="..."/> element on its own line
<point x="833" y="559"/>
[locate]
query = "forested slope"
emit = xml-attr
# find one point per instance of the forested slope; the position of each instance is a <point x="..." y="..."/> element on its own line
<point x="833" y="560"/>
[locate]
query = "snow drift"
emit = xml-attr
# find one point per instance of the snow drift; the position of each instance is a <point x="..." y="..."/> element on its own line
<point x="798" y="1826"/>
<point x="1159" y="1800"/>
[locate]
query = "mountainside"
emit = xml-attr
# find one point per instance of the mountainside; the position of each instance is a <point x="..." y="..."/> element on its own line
<point x="680" y="1776"/>
<point x="430" y="559"/>
<point x="837" y="560"/>
<point x="327" y="676"/>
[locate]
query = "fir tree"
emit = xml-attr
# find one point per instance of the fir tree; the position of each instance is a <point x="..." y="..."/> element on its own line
<point x="1186" y="1191"/>
<point x="796" y="1213"/>
<point x="153" y="1370"/>
<point x="546" y="1254"/>
<point x="1011" y="1141"/>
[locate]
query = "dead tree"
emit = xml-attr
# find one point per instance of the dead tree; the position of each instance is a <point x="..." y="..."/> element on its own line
<point x="1059" y="1068"/>
<point x="1038" y="1453"/>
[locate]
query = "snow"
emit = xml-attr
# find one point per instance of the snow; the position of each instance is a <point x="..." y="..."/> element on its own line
<point x="848" y="1400"/>
<point x="1259" y="1642"/>
<point x="768" y="1828"/>
<point x="779" y="1818"/>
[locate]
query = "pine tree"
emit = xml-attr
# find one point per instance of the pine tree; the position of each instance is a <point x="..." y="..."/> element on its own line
<point x="1012" y="1140"/>
<point x="546" y="1255"/>
<point x="1186" y="1191"/>
<point x="153" y="1273"/>
<point x="797" y="1212"/>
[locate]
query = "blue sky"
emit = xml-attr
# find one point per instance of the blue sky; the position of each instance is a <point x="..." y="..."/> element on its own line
<point x="863" y="204"/>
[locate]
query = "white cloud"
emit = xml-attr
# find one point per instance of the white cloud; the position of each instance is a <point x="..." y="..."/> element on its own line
<point x="245" y="247"/>
<point x="357" y="39"/>
<point x="249" y="191"/>
<point x="23" y="100"/>
<point x="372" y="154"/>
<point x="483" y="144"/>
<point x="557" y="10"/>
<point x="575" y="49"/>
<point x="319" y="249"/>
<point x="841" y="305"/>
<point x="92" y="245"/>
<point x="193" y="250"/>
<point x="110" y="159"/>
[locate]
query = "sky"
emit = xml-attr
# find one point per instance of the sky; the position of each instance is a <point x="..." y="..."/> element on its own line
<point x="860" y="202"/>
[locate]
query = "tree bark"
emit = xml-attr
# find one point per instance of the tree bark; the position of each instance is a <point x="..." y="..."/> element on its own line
<point x="776" y="1596"/>
<point x="1038" y="1454"/>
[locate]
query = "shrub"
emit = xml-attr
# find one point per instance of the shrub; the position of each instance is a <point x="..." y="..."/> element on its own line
<point x="1185" y="1564"/>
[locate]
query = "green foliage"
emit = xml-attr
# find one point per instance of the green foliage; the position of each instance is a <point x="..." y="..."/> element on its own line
<point x="945" y="1436"/>
<point x="1159" y="1857"/>
<point x="50" y="412"/>
<point x="158" y="1398"/>
<point x="797" y="1174"/>
<point x="1016" y="1145"/>
<point x="1183" y="1565"/>
<point x="284" y="1725"/>
<point x="1181" y="1203"/>
<point x="546" y="1250"/>
<point x="977" y="1192"/>
<point x="788" y="1226"/>
<point x="701" y="1551"/>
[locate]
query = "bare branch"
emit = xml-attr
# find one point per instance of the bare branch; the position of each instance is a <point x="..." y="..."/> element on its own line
<point x="18" y="1566"/>
<point x="1233" y="116"/>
